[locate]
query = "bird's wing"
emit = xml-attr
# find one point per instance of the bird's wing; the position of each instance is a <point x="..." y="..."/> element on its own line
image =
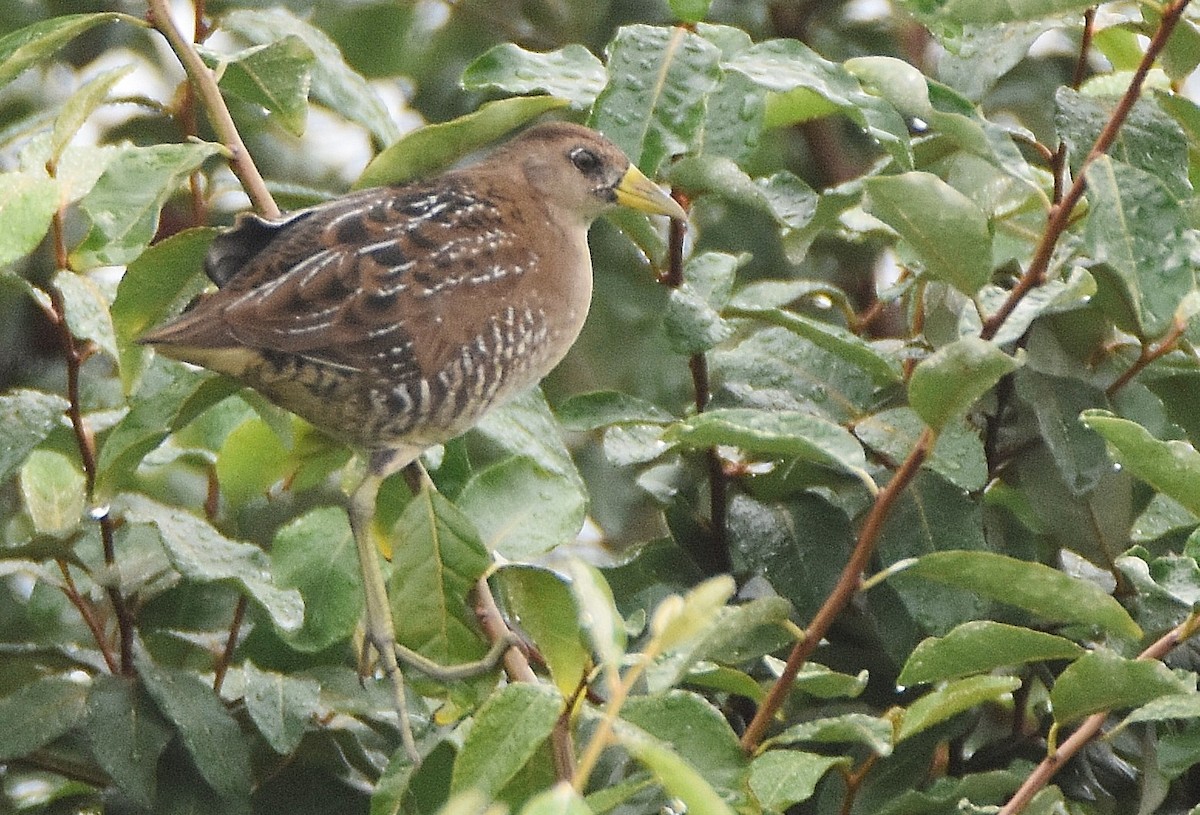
<point x="355" y="281"/>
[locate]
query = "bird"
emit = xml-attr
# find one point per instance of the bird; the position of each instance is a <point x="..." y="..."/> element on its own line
<point x="394" y="318"/>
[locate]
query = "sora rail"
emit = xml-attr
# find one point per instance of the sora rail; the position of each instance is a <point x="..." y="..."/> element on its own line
<point x="395" y="318"/>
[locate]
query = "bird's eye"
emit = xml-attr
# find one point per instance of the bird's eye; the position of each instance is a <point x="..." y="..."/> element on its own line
<point x="585" y="160"/>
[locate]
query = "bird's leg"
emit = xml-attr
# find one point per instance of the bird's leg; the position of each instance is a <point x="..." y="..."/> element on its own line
<point x="381" y="632"/>
<point x="380" y="627"/>
<point x="463" y="670"/>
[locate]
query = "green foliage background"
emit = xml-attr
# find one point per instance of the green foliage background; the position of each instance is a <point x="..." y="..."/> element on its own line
<point x="920" y="379"/>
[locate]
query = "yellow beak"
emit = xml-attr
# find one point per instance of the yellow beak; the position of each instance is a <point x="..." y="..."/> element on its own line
<point x="638" y="192"/>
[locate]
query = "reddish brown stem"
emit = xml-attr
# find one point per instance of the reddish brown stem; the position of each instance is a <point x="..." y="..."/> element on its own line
<point x="226" y="658"/>
<point x="1090" y="728"/>
<point x="89" y="617"/>
<point x="74" y="357"/>
<point x="1060" y="212"/>
<point x="1148" y="354"/>
<point x="715" y="555"/>
<point x="202" y="80"/>
<point x="843" y="592"/>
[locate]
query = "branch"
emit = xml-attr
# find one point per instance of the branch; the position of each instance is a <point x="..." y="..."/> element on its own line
<point x="74" y="357"/>
<point x="847" y="585"/>
<point x="1148" y="354"/>
<point x="715" y="557"/>
<point x="1060" y="212"/>
<point x="1087" y="731"/>
<point x="218" y="113"/>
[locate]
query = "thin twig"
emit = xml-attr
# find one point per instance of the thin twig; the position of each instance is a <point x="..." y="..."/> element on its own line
<point x="1091" y="726"/>
<point x="847" y="585"/>
<point x="518" y="669"/>
<point x="716" y="555"/>
<point x="231" y="641"/>
<point x="218" y="113"/>
<point x="1060" y="212"/>
<point x="1149" y="353"/>
<point x="89" y="616"/>
<point x="86" y="444"/>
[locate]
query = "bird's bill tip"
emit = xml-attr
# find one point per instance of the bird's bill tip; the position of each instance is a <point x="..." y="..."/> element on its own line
<point x="638" y="192"/>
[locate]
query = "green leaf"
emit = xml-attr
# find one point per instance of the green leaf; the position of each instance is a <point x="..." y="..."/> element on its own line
<point x="781" y="778"/>
<point x="561" y="800"/>
<point x="958" y="455"/>
<point x="1039" y="589"/>
<point x="819" y="681"/>
<point x="1172" y="467"/>
<point x="202" y="554"/>
<point x="734" y="115"/>
<point x="800" y="543"/>
<point x="572" y="73"/>
<point x="170" y="396"/>
<point x="948" y="232"/>
<point x="1172" y="706"/>
<point x="38" y="713"/>
<point x="280" y="706"/>
<point x="676" y="620"/>
<point x="1102" y="681"/>
<point x="789" y="201"/>
<point x="692" y="321"/>
<point x="951" y="699"/>
<point x="25" y="47"/>
<point x="506" y="734"/>
<point x="977" y="55"/>
<point x="251" y="460"/>
<point x="522" y="510"/>
<point x="981" y="646"/>
<point x="315" y="555"/>
<point x="127" y="735"/>
<point x="598" y="615"/>
<point x="1057" y="403"/>
<point x="1149" y="139"/>
<point x="721" y="633"/>
<point x="207" y="730"/>
<point x="26" y="210"/>
<point x="549" y="615"/>
<point x="82" y="104"/>
<point x="434" y="147"/>
<point x="125" y="203"/>
<point x="807" y="86"/>
<point x="1135" y="231"/>
<point x="847" y="345"/>
<point x="27" y="417"/>
<point x="276" y="76"/>
<point x="781" y="434"/>
<point x="53" y="487"/>
<point x="334" y="83"/>
<point x="525" y="426"/>
<point x="1167" y="587"/>
<point x="676" y="775"/>
<point x="690" y="11"/>
<point x="849" y="728"/>
<point x="946" y="384"/>
<point x="87" y="311"/>
<point x="592" y="411"/>
<point x="435" y="564"/>
<point x="931" y="515"/>
<point x="155" y="285"/>
<point x="654" y="104"/>
<point x="992" y="11"/>
<point x="783" y="370"/>
<point x="896" y="81"/>
<point x="697" y="731"/>
<point x="1052" y="297"/>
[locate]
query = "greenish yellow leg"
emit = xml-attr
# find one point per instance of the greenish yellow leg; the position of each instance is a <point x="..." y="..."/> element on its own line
<point x="380" y="627"/>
